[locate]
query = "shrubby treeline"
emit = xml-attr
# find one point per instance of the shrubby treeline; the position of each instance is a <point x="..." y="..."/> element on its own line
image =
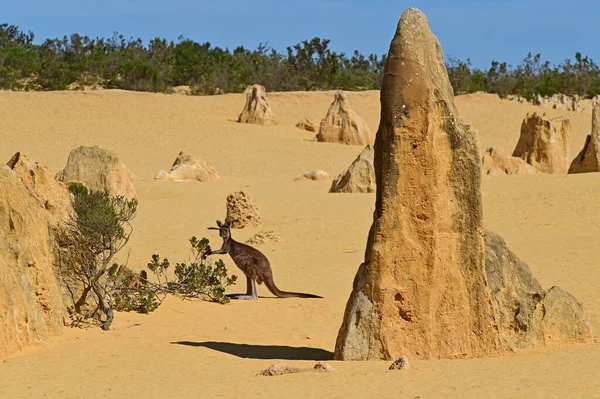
<point x="160" y="65"/>
<point x="528" y="79"/>
<point x="118" y="62"/>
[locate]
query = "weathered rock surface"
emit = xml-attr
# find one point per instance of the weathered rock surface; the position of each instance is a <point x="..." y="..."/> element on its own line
<point x="575" y="103"/>
<point x="539" y="100"/>
<point x="282" y="368"/>
<point x="257" y="110"/>
<point x="307" y="125"/>
<point x="496" y="171"/>
<point x="315" y="174"/>
<point x="31" y="304"/>
<point x="431" y="285"/>
<point x="52" y="194"/>
<point x="98" y="168"/>
<point x="343" y="125"/>
<point x="359" y="177"/>
<point x="421" y="290"/>
<point x="496" y="161"/>
<point x="186" y="168"/>
<point x="588" y="159"/>
<point x="279" y="369"/>
<point x="526" y="314"/>
<point x="242" y="211"/>
<point x="544" y="143"/>
<point x="562" y="102"/>
<point x="263" y="237"/>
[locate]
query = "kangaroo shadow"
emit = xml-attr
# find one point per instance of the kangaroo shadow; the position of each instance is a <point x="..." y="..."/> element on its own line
<point x="263" y="351"/>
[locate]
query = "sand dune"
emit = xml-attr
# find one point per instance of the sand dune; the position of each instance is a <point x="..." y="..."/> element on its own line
<point x="197" y="349"/>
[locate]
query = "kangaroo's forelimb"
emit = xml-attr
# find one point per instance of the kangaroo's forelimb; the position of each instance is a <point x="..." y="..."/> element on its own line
<point x="222" y="251"/>
<point x="218" y="252"/>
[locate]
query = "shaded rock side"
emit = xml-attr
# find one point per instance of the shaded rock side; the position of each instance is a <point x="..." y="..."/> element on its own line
<point x="495" y="159"/>
<point x="544" y="143"/>
<point x="526" y="314"/>
<point x="31" y="302"/>
<point x="257" y="109"/>
<point x="98" y="168"/>
<point x="421" y="291"/>
<point x="343" y="125"/>
<point x="588" y="159"/>
<point x="401" y="363"/>
<point x="186" y="168"/>
<point x="242" y="211"/>
<point x="359" y="177"/>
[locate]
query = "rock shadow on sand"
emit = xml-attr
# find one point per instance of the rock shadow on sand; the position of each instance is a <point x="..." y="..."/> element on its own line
<point x="281" y="352"/>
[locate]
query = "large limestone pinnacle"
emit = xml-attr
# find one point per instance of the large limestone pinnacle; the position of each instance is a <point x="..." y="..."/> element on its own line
<point x="421" y="291"/>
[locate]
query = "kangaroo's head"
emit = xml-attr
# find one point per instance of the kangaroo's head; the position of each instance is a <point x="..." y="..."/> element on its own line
<point x="224" y="230"/>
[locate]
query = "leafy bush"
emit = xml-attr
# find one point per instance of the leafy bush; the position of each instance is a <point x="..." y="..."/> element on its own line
<point x="199" y="279"/>
<point x="138" y="76"/>
<point x="87" y="246"/>
<point x="130" y="292"/>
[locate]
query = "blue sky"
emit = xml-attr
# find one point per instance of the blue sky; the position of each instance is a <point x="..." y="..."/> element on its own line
<point x="482" y="30"/>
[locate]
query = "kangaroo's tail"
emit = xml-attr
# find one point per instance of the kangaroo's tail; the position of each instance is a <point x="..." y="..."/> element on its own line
<point x="284" y="294"/>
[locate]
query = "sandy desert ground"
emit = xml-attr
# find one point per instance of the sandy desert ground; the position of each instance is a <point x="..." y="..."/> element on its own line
<point x="205" y="350"/>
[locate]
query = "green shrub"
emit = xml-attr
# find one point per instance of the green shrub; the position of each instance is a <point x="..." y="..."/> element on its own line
<point x="118" y="62"/>
<point x="87" y="246"/>
<point x="199" y="279"/>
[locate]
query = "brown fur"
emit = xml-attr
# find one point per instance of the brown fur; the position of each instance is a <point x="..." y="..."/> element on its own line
<point x="253" y="263"/>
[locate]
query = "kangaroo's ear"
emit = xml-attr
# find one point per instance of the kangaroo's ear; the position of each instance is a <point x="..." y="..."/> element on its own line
<point x="228" y="224"/>
<point x="219" y="223"/>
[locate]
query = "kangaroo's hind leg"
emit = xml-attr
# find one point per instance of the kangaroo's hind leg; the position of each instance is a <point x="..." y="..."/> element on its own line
<point x="250" y="291"/>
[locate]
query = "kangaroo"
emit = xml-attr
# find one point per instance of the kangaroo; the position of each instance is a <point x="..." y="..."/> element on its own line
<point x="253" y="263"/>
